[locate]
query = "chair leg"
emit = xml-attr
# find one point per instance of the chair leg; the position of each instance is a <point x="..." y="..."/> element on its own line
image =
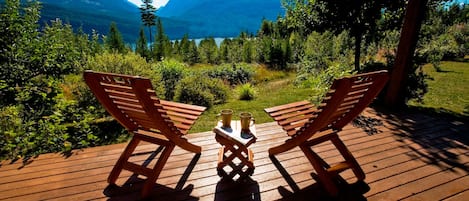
<point x="351" y="161"/>
<point x="124" y="157"/>
<point x="150" y="182"/>
<point x="318" y="165"/>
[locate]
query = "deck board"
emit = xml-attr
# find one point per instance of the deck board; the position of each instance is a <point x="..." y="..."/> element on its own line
<point x="409" y="157"/>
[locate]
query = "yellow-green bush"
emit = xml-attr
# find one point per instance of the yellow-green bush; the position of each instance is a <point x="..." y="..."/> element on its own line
<point x="130" y="64"/>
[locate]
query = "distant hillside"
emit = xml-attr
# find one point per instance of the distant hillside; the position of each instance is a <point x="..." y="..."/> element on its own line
<point x="221" y="18"/>
<point x="198" y="18"/>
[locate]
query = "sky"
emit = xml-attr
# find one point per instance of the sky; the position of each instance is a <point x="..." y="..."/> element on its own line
<point x="156" y="3"/>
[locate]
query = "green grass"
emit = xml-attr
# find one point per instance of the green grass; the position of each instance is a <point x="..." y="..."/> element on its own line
<point x="272" y="93"/>
<point x="448" y="91"/>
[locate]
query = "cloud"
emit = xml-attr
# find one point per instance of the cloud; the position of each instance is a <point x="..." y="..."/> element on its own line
<point x="156" y="3"/>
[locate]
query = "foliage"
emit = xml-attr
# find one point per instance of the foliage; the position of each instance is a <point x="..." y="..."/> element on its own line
<point x="162" y="45"/>
<point x="200" y="90"/>
<point x="114" y="39"/>
<point x="319" y="81"/>
<point x="130" y="64"/>
<point x="147" y="13"/>
<point x="27" y="53"/>
<point x="141" y="47"/>
<point x="262" y="74"/>
<point x="441" y="38"/>
<point x="171" y="72"/>
<point x="460" y="33"/>
<point x="32" y="66"/>
<point x="360" y="18"/>
<point x="245" y="91"/>
<point x="208" y="51"/>
<point x="233" y="74"/>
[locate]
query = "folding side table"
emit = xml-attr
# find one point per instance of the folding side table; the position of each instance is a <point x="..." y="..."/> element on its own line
<point x="234" y="152"/>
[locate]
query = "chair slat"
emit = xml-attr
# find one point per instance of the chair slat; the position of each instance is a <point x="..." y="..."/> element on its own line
<point x="128" y="104"/>
<point x="286" y="106"/>
<point x="294" y="126"/>
<point x="295" y="119"/>
<point x="120" y="94"/>
<point x="116" y="87"/>
<point x="289" y="115"/>
<point x="181" y="120"/>
<point x="183" y="106"/>
<point x="285" y="111"/>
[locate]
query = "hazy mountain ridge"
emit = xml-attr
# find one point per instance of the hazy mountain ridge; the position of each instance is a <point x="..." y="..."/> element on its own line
<point x="221" y="18"/>
<point x="198" y="18"/>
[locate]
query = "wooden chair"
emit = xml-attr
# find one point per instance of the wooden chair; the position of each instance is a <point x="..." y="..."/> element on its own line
<point x="308" y="126"/>
<point x="133" y="103"/>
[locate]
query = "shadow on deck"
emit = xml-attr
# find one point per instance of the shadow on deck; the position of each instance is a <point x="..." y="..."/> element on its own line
<point x="410" y="156"/>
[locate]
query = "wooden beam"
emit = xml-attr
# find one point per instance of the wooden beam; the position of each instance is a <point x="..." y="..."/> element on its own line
<point x="403" y="64"/>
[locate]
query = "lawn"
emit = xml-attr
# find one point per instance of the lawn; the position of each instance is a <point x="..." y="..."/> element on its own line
<point x="448" y="91"/>
<point x="272" y="93"/>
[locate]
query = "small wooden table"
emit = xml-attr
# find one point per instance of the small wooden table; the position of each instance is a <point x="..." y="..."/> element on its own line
<point x="234" y="152"/>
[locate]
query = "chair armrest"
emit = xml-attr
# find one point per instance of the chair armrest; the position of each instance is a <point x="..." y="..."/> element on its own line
<point x="292" y="116"/>
<point x="182" y="115"/>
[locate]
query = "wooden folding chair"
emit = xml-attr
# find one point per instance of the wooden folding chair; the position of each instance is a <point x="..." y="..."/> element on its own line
<point x="133" y="103"/>
<point x="308" y="126"/>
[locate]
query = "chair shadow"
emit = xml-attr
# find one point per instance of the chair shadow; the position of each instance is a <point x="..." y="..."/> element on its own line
<point x="352" y="192"/>
<point x="246" y="190"/>
<point x="131" y="189"/>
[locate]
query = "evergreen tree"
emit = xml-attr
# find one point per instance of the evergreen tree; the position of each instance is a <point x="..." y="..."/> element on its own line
<point x="247" y="51"/>
<point x="141" y="45"/>
<point x="224" y="50"/>
<point x="193" y="54"/>
<point x="184" y="48"/>
<point x="208" y="50"/>
<point x="147" y="11"/>
<point x="114" y="39"/>
<point x="162" y="45"/>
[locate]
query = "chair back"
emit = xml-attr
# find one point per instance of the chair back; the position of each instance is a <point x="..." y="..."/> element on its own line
<point x="132" y="101"/>
<point x="346" y="99"/>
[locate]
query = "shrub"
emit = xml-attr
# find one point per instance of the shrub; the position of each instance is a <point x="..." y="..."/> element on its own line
<point x="320" y="80"/>
<point x="233" y="74"/>
<point x="200" y="90"/>
<point x="130" y="64"/>
<point x="171" y="72"/>
<point x="245" y="92"/>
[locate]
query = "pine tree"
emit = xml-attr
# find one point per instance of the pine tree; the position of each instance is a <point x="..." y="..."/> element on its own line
<point x="162" y="44"/>
<point x="147" y="11"/>
<point x="114" y="39"/>
<point x="142" y="46"/>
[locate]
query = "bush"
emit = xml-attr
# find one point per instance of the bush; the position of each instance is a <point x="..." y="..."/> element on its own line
<point x="171" y="72"/>
<point x="200" y="90"/>
<point x="233" y="74"/>
<point x="129" y="64"/>
<point x="245" y="92"/>
<point x="320" y="80"/>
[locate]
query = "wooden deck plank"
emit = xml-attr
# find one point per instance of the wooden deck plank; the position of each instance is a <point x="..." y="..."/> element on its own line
<point x="412" y="157"/>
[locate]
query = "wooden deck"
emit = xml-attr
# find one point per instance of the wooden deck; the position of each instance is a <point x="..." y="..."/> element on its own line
<point x="410" y="157"/>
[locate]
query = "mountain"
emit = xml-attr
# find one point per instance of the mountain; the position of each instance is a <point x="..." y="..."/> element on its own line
<point x="221" y="18"/>
<point x="198" y="18"/>
<point x="95" y="15"/>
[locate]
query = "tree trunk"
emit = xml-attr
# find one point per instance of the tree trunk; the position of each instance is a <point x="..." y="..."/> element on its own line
<point x="402" y="66"/>
<point x="151" y="41"/>
<point x="358" y="41"/>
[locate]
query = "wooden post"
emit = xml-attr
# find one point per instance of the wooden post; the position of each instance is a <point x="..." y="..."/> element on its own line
<point x="403" y="64"/>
